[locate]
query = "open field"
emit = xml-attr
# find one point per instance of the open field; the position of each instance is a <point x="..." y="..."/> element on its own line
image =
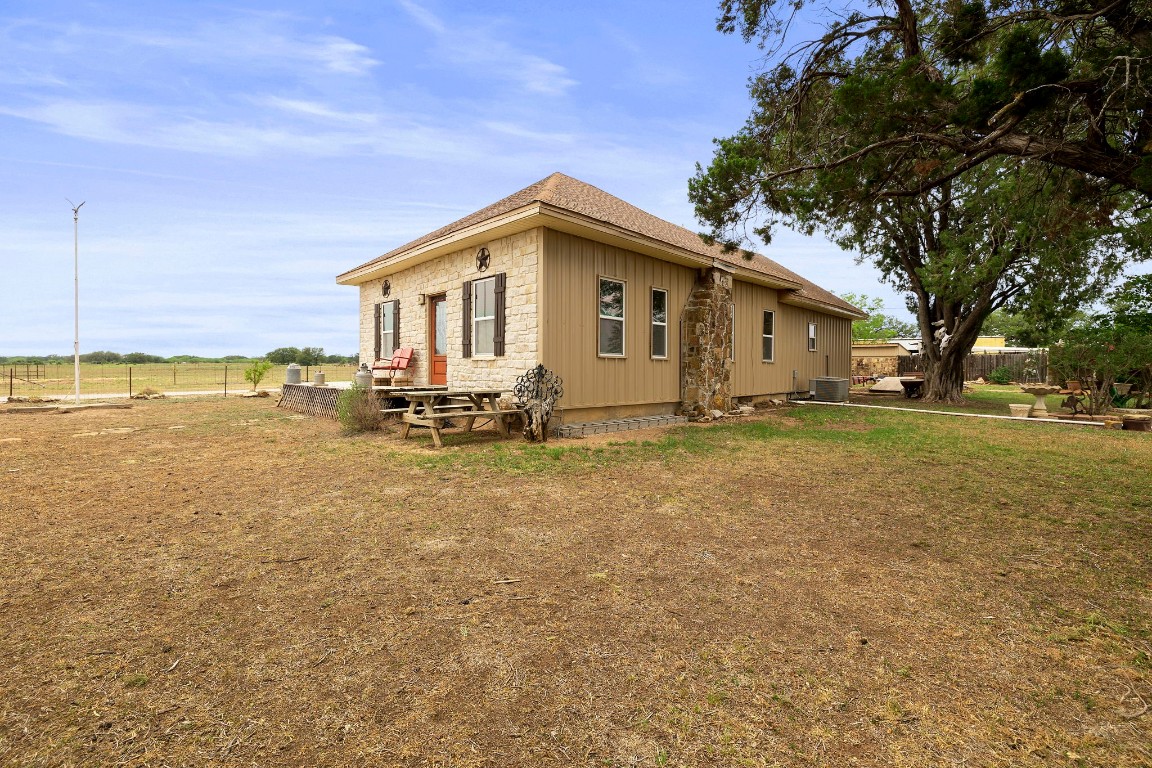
<point x="218" y="583"/>
<point x="123" y="380"/>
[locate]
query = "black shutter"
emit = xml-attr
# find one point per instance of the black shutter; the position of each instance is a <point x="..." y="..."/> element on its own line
<point x="498" y="334"/>
<point x="396" y="324"/>
<point x="376" y="343"/>
<point x="466" y="336"/>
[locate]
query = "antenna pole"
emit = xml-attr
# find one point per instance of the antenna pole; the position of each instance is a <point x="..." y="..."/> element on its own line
<point x="76" y="281"/>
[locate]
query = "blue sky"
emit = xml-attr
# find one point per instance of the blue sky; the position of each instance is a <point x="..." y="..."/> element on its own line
<point x="235" y="157"/>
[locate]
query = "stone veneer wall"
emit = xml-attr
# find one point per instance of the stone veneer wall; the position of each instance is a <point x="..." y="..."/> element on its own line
<point x="518" y="256"/>
<point x="875" y="366"/>
<point x="706" y="365"/>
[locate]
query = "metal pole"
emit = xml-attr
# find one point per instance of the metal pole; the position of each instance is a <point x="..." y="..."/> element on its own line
<point x="76" y="275"/>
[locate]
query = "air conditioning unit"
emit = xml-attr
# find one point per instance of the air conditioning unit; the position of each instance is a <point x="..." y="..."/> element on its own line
<point x="829" y="389"/>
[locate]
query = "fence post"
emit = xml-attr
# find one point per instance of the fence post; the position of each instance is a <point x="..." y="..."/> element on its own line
<point x="225" y="381"/>
<point x="129" y="382"/>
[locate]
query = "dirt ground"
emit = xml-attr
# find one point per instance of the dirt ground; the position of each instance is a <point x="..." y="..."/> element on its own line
<point x="221" y="583"/>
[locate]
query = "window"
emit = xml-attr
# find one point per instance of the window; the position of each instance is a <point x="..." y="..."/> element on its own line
<point x="811" y="337"/>
<point x="484" y="316"/>
<point x="611" y="317"/>
<point x="732" y="332"/>
<point x="387" y="329"/>
<point x="768" y="336"/>
<point x="483" y="332"/>
<point x="659" y="323"/>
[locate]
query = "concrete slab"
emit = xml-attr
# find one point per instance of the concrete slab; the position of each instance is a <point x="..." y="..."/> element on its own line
<point x="888" y="384"/>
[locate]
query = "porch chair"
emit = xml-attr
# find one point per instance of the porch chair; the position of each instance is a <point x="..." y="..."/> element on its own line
<point x="390" y="369"/>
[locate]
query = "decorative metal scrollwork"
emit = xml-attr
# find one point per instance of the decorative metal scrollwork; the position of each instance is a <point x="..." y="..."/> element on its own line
<point x="537" y="392"/>
<point x="483" y="259"/>
<point x="539" y="384"/>
<point x="386" y="288"/>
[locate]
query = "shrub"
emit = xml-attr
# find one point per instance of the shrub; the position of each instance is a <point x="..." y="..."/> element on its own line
<point x="255" y="372"/>
<point x="358" y="410"/>
<point x="1001" y="375"/>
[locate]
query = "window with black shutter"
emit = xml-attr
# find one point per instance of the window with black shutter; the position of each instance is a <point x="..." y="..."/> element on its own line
<point x="484" y="316"/>
<point x="376" y="339"/>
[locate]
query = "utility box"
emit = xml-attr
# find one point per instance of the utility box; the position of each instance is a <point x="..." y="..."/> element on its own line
<point x="829" y="389"/>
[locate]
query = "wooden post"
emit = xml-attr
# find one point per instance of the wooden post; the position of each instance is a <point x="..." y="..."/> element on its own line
<point x="129" y="382"/>
<point x="225" y="381"/>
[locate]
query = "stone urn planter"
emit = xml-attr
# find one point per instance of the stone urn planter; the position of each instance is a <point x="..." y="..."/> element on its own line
<point x="1039" y="391"/>
<point x="1020" y="410"/>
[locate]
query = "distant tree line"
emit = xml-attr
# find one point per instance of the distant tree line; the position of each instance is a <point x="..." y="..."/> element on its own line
<point x="310" y="356"/>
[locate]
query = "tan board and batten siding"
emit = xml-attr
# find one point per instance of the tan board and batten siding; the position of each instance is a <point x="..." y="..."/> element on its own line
<point x="569" y="314"/>
<point x="751" y="376"/>
<point x="636" y="383"/>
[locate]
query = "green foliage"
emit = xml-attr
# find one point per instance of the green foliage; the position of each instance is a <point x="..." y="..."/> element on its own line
<point x="358" y="410"/>
<point x="1000" y="375"/>
<point x="1098" y="354"/>
<point x="877" y="326"/>
<point x="140" y="358"/>
<point x="311" y="356"/>
<point x="1130" y="304"/>
<point x="101" y="356"/>
<point x="256" y="372"/>
<point x="283" y="355"/>
<point x="845" y="140"/>
<point x="1059" y="83"/>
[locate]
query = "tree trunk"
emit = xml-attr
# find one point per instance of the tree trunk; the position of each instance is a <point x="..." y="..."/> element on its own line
<point x="944" y="370"/>
<point x="944" y="379"/>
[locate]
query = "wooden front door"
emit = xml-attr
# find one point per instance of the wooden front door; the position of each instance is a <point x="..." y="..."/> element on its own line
<point x="438" y="339"/>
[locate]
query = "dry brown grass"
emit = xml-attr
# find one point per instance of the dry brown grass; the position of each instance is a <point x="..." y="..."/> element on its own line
<point x="221" y="583"/>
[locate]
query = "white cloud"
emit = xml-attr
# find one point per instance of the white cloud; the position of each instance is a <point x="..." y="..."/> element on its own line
<point x="520" y="132"/>
<point x="316" y="109"/>
<point x="485" y="54"/>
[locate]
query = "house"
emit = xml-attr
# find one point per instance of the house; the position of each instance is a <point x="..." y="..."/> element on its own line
<point x="879" y="358"/>
<point x="637" y="315"/>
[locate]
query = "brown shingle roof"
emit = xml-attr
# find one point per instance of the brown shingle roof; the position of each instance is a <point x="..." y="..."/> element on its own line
<point x="573" y="195"/>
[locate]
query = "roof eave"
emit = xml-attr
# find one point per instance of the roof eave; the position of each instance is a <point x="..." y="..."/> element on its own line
<point x="509" y="223"/>
<point x="540" y="214"/>
<point x="820" y="306"/>
<point x="573" y="223"/>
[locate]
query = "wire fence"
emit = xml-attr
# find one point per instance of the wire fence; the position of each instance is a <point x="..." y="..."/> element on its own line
<point x="44" y="380"/>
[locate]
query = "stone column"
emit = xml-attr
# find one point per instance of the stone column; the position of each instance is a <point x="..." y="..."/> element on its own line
<point x="705" y="335"/>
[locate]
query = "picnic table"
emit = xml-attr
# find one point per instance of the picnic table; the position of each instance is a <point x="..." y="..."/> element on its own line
<point x="432" y="408"/>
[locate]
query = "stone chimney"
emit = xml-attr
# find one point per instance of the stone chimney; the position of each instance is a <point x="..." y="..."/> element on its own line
<point x="706" y="333"/>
